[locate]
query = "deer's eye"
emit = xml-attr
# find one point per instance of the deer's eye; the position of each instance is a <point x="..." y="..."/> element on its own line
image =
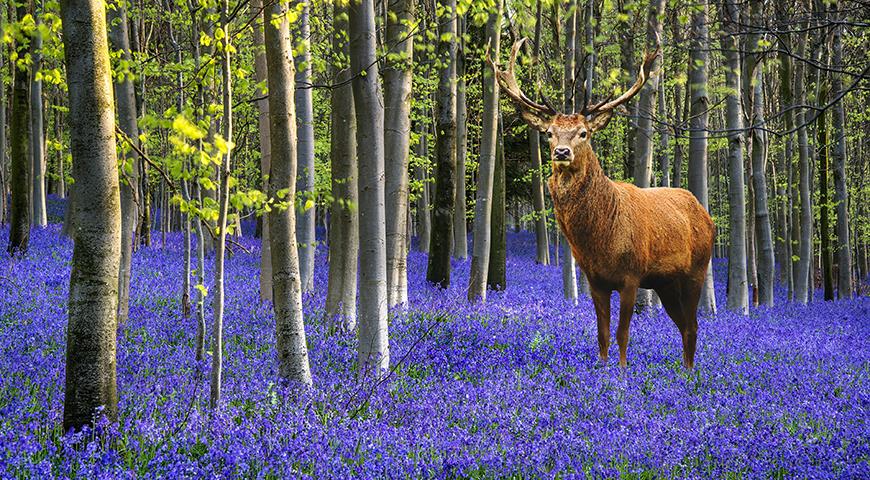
<point x="583" y="135"/>
<point x="549" y="134"/>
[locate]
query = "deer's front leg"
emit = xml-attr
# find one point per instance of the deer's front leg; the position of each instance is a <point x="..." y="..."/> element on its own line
<point x="601" y="299"/>
<point x="627" y="297"/>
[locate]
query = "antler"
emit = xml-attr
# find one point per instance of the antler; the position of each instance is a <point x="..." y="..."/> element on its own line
<point x="642" y="76"/>
<point x="533" y="112"/>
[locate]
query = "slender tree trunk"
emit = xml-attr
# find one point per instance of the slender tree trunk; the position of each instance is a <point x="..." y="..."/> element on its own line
<point x="37" y="137"/>
<point x="19" y="152"/>
<point x="569" y="265"/>
<point x="496" y="273"/>
<point x="788" y="224"/>
<point x="374" y="349"/>
<point x="343" y="219"/>
<point x="3" y="177"/>
<point x="125" y="100"/>
<point x="738" y="294"/>
<point x="752" y="94"/>
<point x="91" y="384"/>
<point x="698" y="131"/>
<point x="460" y="231"/>
<point x="802" y="277"/>
<point x="286" y="275"/>
<point x="445" y="145"/>
<point x="542" y="241"/>
<point x="481" y="246"/>
<point x="223" y="206"/>
<point x="824" y="198"/>
<point x="397" y="135"/>
<point x="265" y="149"/>
<point x="664" y="140"/>
<point x="305" y="213"/>
<point x="199" y="297"/>
<point x="841" y="192"/>
<point x="643" y="146"/>
<point x="424" y="219"/>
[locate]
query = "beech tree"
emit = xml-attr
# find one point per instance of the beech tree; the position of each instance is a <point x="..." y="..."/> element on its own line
<point x="286" y="275"/>
<point x="373" y="348"/>
<point x="91" y="377"/>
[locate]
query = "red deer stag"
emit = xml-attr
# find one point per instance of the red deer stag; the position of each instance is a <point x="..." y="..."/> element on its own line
<point x="622" y="236"/>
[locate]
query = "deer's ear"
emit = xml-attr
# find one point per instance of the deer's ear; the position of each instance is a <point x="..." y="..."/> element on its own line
<point x="600" y="120"/>
<point x="539" y="121"/>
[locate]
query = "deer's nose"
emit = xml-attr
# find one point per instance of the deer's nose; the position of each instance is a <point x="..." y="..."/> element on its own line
<point x="562" y="153"/>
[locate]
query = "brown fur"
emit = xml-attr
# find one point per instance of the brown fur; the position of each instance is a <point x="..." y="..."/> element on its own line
<point x="624" y="237"/>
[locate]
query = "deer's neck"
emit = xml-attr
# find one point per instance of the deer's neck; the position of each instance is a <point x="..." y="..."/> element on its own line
<point x="586" y="205"/>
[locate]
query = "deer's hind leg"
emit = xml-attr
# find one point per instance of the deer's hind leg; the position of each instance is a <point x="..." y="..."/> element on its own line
<point x="671" y="296"/>
<point x="690" y="298"/>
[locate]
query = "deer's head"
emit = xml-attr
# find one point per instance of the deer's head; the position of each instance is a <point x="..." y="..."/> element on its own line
<point x="569" y="134"/>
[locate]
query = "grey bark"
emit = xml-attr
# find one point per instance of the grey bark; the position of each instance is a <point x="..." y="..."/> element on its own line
<point x="643" y="146"/>
<point x="496" y="273"/>
<point x="374" y="351"/>
<point x="542" y="240"/>
<point x="438" y="271"/>
<point x="698" y="135"/>
<point x="803" y="276"/>
<point x="125" y="102"/>
<point x="738" y="294"/>
<point x="841" y="192"/>
<point x="37" y="135"/>
<point x="752" y="91"/>
<point x="305" y="219"/>
<point x="261" y="73"/>
<point x="199" y="298"/>
<point x="486" y="171"/>
<point x="397" y="135"/>
<point x="344" y="217"/>
<point x="460" y="233"/>
<point x="19" y="152"/>
<point x="787" y="222"/>
<point x="424" y="219"/>
<point x="569" y="264"/>
<point x="286" y="275"/>
<point x="223" y="206"/>
<point x="91" y="378"/>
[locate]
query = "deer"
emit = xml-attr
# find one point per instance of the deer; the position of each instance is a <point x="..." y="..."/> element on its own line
<point x="622" y="237"/>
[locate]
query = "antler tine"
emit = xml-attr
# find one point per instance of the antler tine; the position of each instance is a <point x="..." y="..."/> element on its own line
<point x="642" y="76"/>
<point x="508" y="82"/>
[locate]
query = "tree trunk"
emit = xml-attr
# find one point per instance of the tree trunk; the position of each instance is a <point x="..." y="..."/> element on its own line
<point x="445" y="148"/>
<point x="286" y="275"/>
<point x="738" y="294"/>
<point x="841" y="192"/>
<point x="374" y="350"/>
<point x="542" y="241"/>
<point x="265" y="149"/>
<point x="397" y="135"/>
<point x="125" y="101"/>
<point x="496" y="273"/>
<point x="19" y="152"/>
<point x="752" y="94"/>
<point x="824" y="198"/>
<point x="3" y="178"/>
<point x="802" y="277"/>
<point x="305" y="213"/>
<point x="481" y="245"/>
<point x="91" y="378"/>
<point x="569" y="265"/>
<point x="343" y="219"/>
<point x="460" y="231"/>
<point x="37" y="137"/>
<point x="698" y="131"/>
<point x="787" y="222"/>
<point x="223" y="206"/>
<point x="643" y="147"/>
<point x="424" y="219"/>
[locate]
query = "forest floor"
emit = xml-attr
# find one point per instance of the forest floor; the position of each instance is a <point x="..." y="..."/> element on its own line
<point x="512" y="388"/>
